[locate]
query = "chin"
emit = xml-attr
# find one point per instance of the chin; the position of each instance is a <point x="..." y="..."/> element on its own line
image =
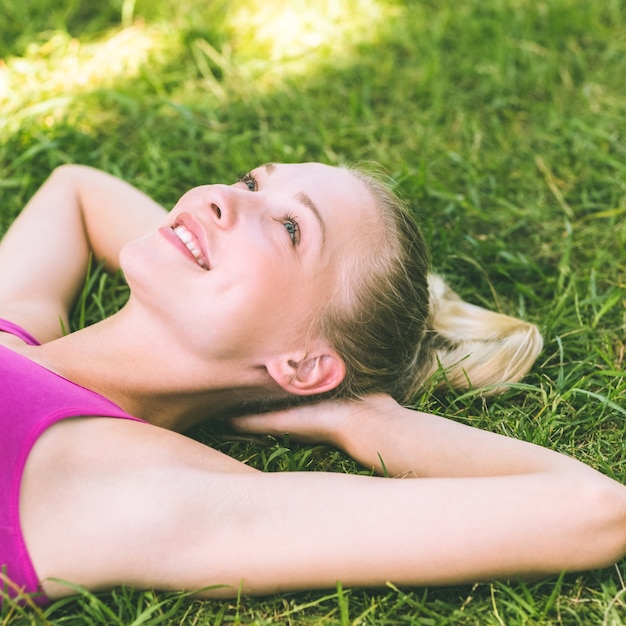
<point x="138" y="265"/>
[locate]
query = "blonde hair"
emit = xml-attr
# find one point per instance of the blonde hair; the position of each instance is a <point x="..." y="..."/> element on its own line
<point x="473" y="347"/>
<point x="396" y="325"/>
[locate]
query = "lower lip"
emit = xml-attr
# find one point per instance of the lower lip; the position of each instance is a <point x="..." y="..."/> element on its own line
<point x="168" y="233"/>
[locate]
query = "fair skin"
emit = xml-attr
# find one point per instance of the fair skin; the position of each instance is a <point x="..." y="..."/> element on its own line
<point x="228" y="311"/>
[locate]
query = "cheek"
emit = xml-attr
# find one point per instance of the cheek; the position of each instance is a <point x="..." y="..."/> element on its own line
<point x="248" y="303"/>
<point x="263" y="311"/>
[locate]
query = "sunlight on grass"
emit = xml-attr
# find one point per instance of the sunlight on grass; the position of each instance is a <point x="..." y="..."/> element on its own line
<point x="270" y="41"/>
<point x="45" y="82"/>
<point x="298" y="32"/>
<point x="265" y="41"/>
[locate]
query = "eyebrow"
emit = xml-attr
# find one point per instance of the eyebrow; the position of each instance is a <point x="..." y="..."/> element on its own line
<point x="305" y="200"/>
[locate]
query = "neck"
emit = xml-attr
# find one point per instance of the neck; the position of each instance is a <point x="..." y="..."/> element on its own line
<point x="153" y="379"/>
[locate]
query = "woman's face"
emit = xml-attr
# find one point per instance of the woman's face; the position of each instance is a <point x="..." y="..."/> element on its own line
<point x="240" y="270"/>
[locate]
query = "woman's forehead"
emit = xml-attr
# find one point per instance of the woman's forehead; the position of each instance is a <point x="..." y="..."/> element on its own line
<point x="337" y="186"/>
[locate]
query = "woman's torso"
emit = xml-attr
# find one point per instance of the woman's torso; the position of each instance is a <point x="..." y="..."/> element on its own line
<point x="32" y="400"/>
<point x="72" y="458"/>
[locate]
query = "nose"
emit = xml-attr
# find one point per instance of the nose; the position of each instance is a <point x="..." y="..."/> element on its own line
<point x="226" y="205"/>
<point x="216" y="210"/>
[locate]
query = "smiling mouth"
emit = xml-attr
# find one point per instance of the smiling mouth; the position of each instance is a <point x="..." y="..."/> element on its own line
<point x="188" y="239"/>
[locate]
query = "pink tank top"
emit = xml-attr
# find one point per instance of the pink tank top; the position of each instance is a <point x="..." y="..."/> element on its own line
<point x="32" y="399"/>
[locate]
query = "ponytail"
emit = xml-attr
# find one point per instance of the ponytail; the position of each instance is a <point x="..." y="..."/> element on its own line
<point x="474" y="347"/>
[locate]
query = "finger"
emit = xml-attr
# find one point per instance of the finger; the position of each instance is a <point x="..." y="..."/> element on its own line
<point x="260" y="424"/>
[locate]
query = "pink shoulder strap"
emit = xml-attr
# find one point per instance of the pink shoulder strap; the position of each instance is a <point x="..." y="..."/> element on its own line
<point x="18" y="331"/>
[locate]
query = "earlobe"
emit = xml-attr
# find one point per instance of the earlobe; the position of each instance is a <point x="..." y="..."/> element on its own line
<point x="312" y="374"/>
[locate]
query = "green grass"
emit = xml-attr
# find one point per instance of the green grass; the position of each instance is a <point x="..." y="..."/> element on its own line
<point x="504" y="123"/>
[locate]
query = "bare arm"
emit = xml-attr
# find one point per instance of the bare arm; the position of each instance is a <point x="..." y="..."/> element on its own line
<point x="44" y="255"/>
<point x="273" y="532"/>
<point x="420" y="444"/>
<point x="379" y="431"/>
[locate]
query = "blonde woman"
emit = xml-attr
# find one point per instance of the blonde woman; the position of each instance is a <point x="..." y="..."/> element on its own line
<point x="298" y="282"/>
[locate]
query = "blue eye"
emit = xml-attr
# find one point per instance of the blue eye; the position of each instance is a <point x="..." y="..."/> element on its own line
<point x="293" y="229"/>
<point x="249" y="181"/>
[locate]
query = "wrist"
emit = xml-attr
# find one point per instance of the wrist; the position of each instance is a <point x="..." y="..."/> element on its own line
<point x="360" y="417"/>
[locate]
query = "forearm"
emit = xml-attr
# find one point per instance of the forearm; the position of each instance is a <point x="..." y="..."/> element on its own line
<point x="109" y="211"/>
<point x="78" y="212"/>
<point x="391" y="439"/>
<point x="396" y="441"/>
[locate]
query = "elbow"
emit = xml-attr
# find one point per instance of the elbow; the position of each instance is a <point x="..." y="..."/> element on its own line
<point x="602" y="535"/>
<point x="68" y="170"/>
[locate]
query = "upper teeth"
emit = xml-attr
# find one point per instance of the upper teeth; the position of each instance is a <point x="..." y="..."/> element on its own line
<point x="185" y="235"/>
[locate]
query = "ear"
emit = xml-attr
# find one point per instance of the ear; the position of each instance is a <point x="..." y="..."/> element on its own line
<point x="308" y="374"/>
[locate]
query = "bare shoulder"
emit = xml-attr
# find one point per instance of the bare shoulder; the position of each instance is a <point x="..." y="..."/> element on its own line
<point x="93" y="486"/>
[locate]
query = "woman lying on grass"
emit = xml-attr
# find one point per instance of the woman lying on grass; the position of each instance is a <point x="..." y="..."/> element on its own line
<point x="298" y="281"/>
